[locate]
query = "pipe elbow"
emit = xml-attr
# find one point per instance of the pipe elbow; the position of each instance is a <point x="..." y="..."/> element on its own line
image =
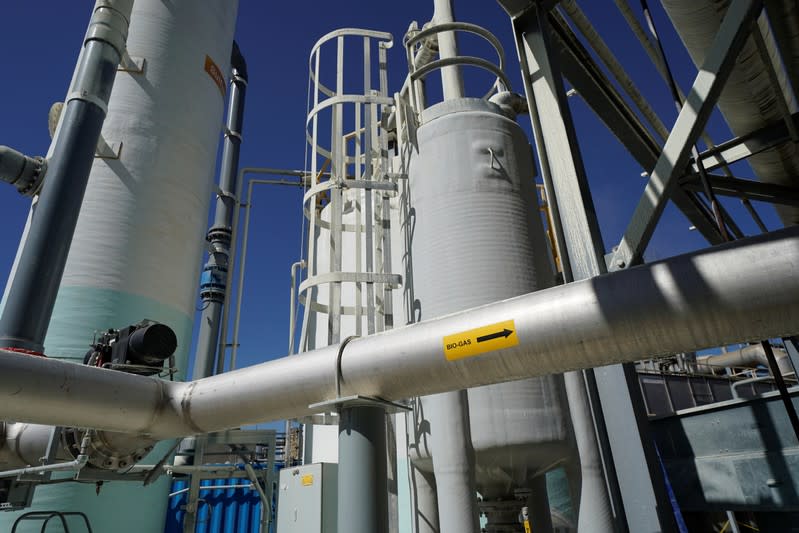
<point x="512" y="104"/>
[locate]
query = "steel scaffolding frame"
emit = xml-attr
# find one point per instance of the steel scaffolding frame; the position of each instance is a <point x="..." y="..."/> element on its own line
<point x="549" y="51"/>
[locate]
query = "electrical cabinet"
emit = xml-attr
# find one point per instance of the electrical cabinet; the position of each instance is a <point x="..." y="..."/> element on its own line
<point x="307" y="499"/>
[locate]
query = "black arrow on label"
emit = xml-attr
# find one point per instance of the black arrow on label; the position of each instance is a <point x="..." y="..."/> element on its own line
<point x="491" y="336"/>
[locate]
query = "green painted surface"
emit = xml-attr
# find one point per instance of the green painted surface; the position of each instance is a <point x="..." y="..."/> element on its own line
<point x="120" y="507"/>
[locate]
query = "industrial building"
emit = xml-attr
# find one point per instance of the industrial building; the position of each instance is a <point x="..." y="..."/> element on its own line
<point x="546" y="275"/>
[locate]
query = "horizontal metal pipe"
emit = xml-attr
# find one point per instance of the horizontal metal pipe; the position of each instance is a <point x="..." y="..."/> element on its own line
<point x="737" y="292"/>
<point x="212" y="487"/>
<point x="746" y="357"/>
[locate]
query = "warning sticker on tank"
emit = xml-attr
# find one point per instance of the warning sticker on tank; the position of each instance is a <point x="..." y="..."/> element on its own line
<point x="480" y="340"/>
<point x="215" y="73"/>
<point x="307" y="480"/>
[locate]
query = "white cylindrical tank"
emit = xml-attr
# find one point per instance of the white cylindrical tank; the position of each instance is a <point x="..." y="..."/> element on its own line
<point x="478" y="238"/>
<point x="138" y="245"/>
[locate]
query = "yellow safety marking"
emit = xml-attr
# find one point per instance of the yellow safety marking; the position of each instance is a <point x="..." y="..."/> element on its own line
<point x="480" y="340"/>
<point x="307" y="480"/>
<point x="527" y="528"/>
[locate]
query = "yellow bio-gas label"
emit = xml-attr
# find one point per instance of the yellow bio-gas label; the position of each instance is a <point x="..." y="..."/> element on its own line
<point x="480" y="340"/>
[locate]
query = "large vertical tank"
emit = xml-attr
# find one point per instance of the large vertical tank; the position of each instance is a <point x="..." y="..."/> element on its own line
<point x="478" y="238"/>
<point x="138" y="245"/>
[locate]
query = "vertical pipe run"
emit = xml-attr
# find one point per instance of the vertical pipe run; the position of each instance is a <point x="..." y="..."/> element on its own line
<point x="213" y="288"/>
<point x="362" y="480"/>
<point x="295" y="267"/>
<point x="454" y="464"/>
<point x="32" y="295"/>
<point x="451" y="80"/>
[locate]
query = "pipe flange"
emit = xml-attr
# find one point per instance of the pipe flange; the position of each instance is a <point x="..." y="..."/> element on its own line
<point x="33" y="184"/>
<point x="110" y="24"/>
<point x="219" y="234"/>
<point x="110" y="451"/>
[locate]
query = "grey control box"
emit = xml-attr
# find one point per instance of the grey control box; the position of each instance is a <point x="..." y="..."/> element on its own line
<point x="307" y="499"/>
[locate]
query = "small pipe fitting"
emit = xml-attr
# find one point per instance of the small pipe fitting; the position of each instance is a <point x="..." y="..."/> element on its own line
<point x="24" y="172"/>
<point x="110" y="23"/>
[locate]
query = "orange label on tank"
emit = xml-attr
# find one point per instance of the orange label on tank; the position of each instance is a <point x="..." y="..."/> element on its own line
<point x="215" y="73"/>
<point x="480" y="340"/>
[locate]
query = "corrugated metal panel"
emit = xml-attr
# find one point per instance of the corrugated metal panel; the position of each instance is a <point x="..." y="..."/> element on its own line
<point x="220" y="510"/>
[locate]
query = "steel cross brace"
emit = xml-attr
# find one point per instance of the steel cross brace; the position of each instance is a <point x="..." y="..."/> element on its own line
<point x="690" y="123"/>
<point x="749" y="189"/>
<point x="598" y="92"/>
<point x="609" y="396"/>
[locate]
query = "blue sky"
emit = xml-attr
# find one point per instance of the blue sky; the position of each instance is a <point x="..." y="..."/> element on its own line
<point x="41" y="42"/>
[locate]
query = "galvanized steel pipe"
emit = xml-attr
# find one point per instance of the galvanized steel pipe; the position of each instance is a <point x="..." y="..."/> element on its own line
<point x="739" y="292"/>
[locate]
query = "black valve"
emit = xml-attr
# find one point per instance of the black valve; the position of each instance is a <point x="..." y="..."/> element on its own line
<point x="138" y="349"/>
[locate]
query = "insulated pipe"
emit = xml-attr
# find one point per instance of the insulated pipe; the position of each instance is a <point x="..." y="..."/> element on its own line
<point x="214" y="281"/>
<point x="747" y="357"/>
<point x="31" y="296"/>
<point x="738" y="292"/>
<point x="750" y="100"/>
<point x="23" y="172"/>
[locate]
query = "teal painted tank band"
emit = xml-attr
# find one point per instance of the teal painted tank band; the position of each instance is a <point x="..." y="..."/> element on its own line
<point x="111" y="509"/>
<point x="81" y="311"/>
<point x="78" y="313"/>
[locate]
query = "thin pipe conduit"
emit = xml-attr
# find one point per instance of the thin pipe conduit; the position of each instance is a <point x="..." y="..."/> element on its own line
<point x="737" y="292"/>
<point x="234" y="234"/>
<point x="244" y="243"/>
<point x="76" y="465"/>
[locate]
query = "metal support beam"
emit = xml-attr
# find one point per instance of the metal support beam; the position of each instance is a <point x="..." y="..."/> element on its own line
<point x="559" y="142"/>
<point x="740" y="188"/>
<point x="792" y="347"/>
<point x="690" y="123"/>
<point x="747" y="145"/>
<point x="599" y="93"/>
<point x="639" y="489"/>
<point x="596" y="465"/>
